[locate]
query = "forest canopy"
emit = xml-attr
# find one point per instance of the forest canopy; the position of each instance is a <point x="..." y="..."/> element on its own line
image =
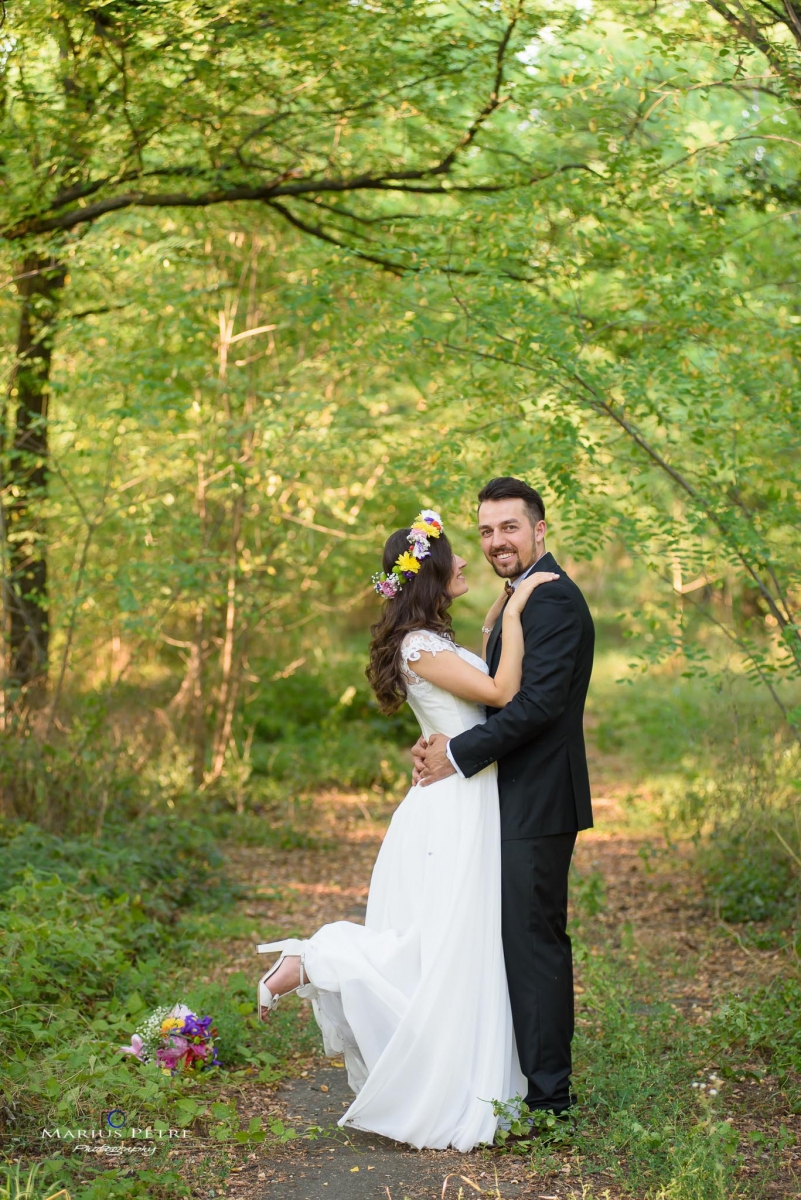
<point x="273" y="276"/>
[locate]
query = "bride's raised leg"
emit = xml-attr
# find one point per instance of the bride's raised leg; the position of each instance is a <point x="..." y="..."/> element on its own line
<point x="285" y="976"/>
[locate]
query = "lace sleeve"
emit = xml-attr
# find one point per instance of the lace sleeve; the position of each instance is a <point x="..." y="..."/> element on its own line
<point x="413" y="643"/>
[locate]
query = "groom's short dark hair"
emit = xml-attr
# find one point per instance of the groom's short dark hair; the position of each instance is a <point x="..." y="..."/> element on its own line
<point x="506" y="487"/>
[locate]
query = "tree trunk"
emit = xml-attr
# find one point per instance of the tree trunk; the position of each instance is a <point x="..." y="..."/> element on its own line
<point x="25" y="591"/>
<point x="198" y="707"/>
<point x="229" y="682"/>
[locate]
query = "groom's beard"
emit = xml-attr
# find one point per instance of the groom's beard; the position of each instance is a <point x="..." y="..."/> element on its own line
<point x="511" y="567"/>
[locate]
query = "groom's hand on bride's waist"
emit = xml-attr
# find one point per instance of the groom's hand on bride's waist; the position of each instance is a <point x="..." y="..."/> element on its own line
<point x="436" y="764"/>
<point x="418" y="760"/>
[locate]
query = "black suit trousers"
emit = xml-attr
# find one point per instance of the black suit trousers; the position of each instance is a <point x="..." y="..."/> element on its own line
<point x="539" y="962"/>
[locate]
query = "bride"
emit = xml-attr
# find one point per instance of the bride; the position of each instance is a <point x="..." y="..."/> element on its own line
<point x="416" y="998"/>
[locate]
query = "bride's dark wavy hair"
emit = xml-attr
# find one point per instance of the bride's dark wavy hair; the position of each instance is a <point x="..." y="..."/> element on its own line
<point x="422" y="603"/>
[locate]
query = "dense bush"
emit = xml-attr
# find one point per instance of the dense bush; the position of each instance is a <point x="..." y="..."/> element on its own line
<point x="159" y="865"/>
<point x="69" y="784"/>
<point x="325" y="730"/>
<point x="95" y="933"/>
<point x="749" y="874"/>
<point x="746" y="821"/>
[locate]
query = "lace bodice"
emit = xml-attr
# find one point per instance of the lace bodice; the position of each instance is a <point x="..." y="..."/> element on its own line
<point x="438" y="711"/>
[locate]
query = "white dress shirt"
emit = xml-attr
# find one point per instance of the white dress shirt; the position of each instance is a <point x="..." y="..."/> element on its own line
<point x="515" y="584"/>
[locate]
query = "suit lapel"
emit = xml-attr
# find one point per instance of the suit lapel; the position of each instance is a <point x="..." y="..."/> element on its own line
<point x="492" y="643"/>
<point x="546" y="563"/>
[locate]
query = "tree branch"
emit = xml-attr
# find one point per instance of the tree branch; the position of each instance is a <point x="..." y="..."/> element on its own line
<point x="400" y="181"/>
<point x="318" y="232"/>
<point x="602" y="406"/>
<point x="747" y="28"/>
<point x="290" y="183"/>
<point x="494" y="100"/>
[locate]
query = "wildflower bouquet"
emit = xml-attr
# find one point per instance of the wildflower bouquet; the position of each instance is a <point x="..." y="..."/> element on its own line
<point x="176" y="1039"/>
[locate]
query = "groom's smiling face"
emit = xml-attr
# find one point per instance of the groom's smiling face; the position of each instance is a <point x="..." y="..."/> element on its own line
<point x="509" y="539"/>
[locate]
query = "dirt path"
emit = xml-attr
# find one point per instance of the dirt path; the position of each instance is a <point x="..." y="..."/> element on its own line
<point x="652" y="894"/>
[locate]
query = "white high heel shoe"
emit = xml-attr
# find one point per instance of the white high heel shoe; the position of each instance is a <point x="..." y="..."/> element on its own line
<point x="291" y="948"/>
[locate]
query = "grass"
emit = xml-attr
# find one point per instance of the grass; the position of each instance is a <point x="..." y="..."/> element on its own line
<point x="103" y="920"/>
<point x="705" y="760"/>
<point x="658" y="1116"/>
<point x="94" y="935"/>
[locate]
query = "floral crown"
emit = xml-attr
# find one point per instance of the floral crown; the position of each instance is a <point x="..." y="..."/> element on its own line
<point x="425" y="526"/>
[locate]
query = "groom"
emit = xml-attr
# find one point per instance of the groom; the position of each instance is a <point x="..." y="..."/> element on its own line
<point x="543" y="784"/>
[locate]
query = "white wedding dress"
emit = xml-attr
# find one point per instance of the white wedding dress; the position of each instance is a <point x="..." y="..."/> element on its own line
<point x="416" y="1000"/>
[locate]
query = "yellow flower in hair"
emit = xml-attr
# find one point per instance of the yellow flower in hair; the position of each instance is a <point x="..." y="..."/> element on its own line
<point x="427" y="524"/>
<point x="428" y="530"/>
<point x="429" y="521"/>
<point x="407" y="562"/>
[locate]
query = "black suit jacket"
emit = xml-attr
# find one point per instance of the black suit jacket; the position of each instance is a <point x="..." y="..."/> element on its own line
<point x="538" y="738"/>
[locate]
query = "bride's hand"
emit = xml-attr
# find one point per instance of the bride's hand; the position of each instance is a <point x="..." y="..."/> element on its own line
<point x="517" y="602"/>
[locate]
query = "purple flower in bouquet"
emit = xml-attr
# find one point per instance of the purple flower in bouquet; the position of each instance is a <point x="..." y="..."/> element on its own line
<point x="196" y="1026"/>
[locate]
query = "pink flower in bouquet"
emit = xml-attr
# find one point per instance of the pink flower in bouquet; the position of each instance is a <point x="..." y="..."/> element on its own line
<point x="137" y="1048"/>
<point x="170" y="1056"/>
<point x="193" y="1053"/>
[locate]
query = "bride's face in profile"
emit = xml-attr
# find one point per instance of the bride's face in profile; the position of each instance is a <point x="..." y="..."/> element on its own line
<point x="458" y="584"/>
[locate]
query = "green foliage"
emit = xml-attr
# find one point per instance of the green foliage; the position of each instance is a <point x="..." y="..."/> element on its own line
<point x="626" y="351"/>
<point x="290" y="286"/>
<point x="651" y="1085"/>
<point x="168" y="864"/>
<point x="55" y="1180"/>
<point x="588" y="893"/>
<point x="522" y="1130"/>
<point x="751" y="854"/>
<point x="636" y="1118"/>
<point x="314" y="729"/>
<point x="750" y="876"/>
<point x="216" y="326"/>
<point x="96" y="934"/>
<point x="546" y="239"/>
<point x="323" y="729"/>
<point x="208" y="102"/>
<point x="40" y="781"/>
<point x="722" y="774"/>
<point x="765" y="1025"/>
<point x="16" y="1186"/>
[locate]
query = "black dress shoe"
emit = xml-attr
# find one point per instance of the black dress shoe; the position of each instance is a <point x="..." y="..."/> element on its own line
<point x="558" y="1107"/>
<point x="552" y="1125"/>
